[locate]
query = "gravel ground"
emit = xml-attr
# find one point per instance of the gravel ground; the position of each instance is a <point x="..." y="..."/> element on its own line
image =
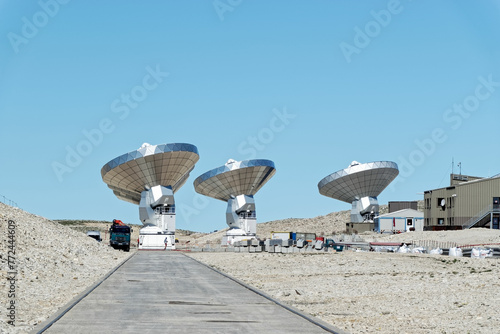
<point x="359" y="292"/>
<point x="53" y="264"/>
<point x="461" y="237"/>
<point x="367" y="292"/>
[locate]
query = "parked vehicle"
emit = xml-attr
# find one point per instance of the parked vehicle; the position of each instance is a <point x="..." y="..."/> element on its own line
<point x="119" y="235"/>
<point x="94" y="234"/>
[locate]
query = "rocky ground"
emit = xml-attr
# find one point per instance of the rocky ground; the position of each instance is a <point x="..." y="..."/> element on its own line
<point x="461" y="237"/>
<point x="53" y="264"/>
<point x="101" y="226"/>
<point x="358" y="291"/>
<point x="332" y="223"/>
<point x="368" y="292"/>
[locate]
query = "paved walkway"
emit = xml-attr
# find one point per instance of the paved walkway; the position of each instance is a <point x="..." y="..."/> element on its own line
<point x="168" y="292"/>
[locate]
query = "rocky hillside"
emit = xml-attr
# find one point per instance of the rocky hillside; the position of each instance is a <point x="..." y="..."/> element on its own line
<point x="56" y="261"/>
<point x="330" y="224"/>
<point x="52" y="264"/>
<point x="98" y="225"/>
<point x="333" y="223"/>
<point x="103" y="227"/>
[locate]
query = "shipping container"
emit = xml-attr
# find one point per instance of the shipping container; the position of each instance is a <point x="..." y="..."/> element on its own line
<point x="310" y="237"/>
<point x="281" y="235"/>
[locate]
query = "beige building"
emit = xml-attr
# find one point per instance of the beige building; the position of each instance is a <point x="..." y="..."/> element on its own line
<point x="400" y="221"/>
<point x="468" y="202"/>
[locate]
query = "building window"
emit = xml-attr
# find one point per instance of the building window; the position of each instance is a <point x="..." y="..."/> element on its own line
<point x="165" y="210"/>
<point x="409" y="222"/>
<point x="440" y="221"/>
<point x="441" y="203"/>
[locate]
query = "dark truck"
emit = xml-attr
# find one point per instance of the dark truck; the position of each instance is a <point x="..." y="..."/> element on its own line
<point x="119" y="235"/>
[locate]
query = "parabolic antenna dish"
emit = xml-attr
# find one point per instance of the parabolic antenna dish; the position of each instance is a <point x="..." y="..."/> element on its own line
<point x="167" y="165"/>
<point x="235" y="178"/>
<point x="359" y="180"/>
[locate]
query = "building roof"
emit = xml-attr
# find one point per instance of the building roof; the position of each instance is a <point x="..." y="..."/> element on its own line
<point x="168" y="165"/>
<point x="407" y="213"/>
<point x="235" y="178"/>
<point x="478" y="180"/>
<point x="359" y="180"/>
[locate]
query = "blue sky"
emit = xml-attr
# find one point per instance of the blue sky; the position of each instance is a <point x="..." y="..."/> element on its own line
<point x="415" y="82"/>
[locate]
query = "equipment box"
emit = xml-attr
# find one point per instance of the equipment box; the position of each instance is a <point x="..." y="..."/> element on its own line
<point x="338" y="248"/>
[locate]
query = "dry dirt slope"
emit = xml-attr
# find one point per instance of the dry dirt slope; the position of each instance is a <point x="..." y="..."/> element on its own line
<point x="103" y="227"/>
<point x="332" y="223"/>
<point x="53" y="264"/>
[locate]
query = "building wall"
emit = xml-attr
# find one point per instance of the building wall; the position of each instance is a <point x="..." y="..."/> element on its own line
<point x="399" y="224"/>
<point x="400" y="205"/>
<point x="389" y="225"/>
<point x="463" y="201"/>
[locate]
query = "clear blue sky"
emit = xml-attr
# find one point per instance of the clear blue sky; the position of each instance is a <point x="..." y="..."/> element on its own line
<point x="363" y="80"/>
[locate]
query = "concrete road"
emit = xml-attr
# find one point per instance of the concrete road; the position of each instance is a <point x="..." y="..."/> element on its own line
<point x="168" y="292"/>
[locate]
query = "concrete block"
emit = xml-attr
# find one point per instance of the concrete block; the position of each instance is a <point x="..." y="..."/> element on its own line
<point x="301" y="243"/>
<point x="318" y="245"/>
<point x="275" y="242"/>
<point x="255" y="242"/>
